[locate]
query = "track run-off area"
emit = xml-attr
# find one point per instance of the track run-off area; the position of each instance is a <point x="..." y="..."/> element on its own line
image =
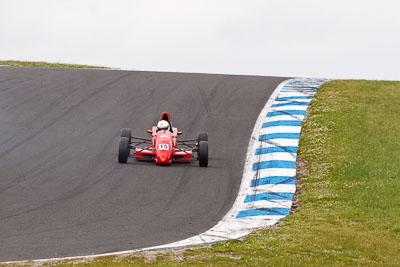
<point x="62" y="191"/>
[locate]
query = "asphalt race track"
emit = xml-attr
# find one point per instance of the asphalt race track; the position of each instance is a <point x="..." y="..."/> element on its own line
<point x="62" y="191"/>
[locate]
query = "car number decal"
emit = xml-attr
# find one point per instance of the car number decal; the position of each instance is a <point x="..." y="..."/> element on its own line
<point x="163" y="147"/>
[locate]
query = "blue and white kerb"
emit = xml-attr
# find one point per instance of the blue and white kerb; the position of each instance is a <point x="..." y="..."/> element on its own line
<point x="273" y="182"/>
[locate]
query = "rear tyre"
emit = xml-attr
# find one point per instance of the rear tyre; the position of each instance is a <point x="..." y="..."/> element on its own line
<point x="124" y="150"/>
<point x="203" y="136"/>
<point x="126" y="132"/>
<point x="203" y="153"/>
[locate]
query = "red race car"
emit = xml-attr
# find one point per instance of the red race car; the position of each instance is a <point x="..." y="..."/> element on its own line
<point x="163" y="147"/>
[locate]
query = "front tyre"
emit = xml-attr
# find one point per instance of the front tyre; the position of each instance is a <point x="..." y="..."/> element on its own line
<point x="126" y="132"/>
<point x="202" y="136"/>
<point x="124" y="150"/>
<point x="203" y="153"/>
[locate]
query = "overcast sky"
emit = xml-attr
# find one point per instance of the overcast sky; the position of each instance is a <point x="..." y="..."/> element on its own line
<point x="309" y="38"/>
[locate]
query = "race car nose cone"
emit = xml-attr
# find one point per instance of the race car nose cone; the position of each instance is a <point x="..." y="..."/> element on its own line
<point x="163" y="160"/>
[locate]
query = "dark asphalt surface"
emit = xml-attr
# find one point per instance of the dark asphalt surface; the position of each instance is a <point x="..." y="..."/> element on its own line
<point x="62" y="192"/>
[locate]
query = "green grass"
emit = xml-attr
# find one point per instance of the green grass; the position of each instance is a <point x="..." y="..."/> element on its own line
<point x="350" y="194"/>
<point x="46" y="64"/>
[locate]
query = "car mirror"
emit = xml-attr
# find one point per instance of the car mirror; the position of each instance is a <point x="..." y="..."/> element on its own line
<point x="150" y="131"/>
<point x="179" y="133"/>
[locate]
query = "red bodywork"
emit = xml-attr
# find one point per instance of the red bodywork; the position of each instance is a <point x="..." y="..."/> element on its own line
<point x="163" y="149"/>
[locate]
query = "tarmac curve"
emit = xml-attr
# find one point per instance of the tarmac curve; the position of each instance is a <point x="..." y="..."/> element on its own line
<point x="62" y="191"/>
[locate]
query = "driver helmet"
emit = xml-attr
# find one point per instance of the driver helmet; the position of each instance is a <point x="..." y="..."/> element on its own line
<point x="162" y="125"/>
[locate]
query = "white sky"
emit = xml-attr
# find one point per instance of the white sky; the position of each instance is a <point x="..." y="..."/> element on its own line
<point x="307" y="38"/>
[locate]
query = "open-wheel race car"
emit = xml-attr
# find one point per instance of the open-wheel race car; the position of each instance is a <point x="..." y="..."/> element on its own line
<point x="163" y="147"/>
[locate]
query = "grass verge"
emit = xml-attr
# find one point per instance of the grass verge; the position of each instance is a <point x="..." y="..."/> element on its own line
<point x="40" y="64"/>
<point x="350" y="194"/>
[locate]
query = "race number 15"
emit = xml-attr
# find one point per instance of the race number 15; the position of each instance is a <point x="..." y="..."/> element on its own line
<point x="163" y="147"/>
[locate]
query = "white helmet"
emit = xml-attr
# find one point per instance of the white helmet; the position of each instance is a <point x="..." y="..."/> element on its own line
<point x="162" y="125"/>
